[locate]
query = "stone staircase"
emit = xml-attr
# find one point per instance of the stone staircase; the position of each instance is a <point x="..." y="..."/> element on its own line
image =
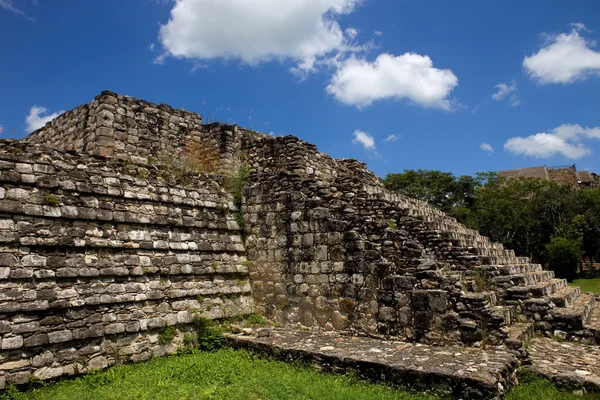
<point x="520" y="298"/>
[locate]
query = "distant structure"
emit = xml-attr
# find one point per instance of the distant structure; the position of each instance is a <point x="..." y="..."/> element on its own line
<point x="562" y="174"/>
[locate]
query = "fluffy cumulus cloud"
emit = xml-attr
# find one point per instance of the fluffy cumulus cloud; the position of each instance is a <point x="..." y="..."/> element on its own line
<point x="565" y="58"/>
<point x="508" y="89"/>
<point x="304" y="31"/>
<point x="486" y="147"/>
<point x="410" y="76"/>
<point x="35" y="119"/>
<point x="565" y="140"/>
<point x="364" y="139"/>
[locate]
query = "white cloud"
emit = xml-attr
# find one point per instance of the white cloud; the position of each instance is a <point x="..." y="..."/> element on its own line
<point x="8" y="5"/>
<point x="364" y="139"/>
<point x="378" y="33"/>
<point x="410" y="76"/>
<point x="392" y="138"/>
<point x="304" y="31"/>
<point x="504" y="90"/>
<point x="351" y="33"/>
<point x="486" y="147"/>
<point x="35" y="120"/>
<point x="508" y="89"/>
<point x="566" y="58"/>
<point x="564" y="140"/>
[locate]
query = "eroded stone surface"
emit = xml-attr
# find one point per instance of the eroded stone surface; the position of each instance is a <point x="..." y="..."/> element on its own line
<point x="463" y="372"/>
<point x="97" y="254"/>
<point x="571" y="364"/>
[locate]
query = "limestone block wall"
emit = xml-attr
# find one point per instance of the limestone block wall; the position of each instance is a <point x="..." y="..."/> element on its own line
<point x="328" y="250"/>
<point x="97" y="256"/>
<point x="119" y="126"/>
<point x="70" y="131"/>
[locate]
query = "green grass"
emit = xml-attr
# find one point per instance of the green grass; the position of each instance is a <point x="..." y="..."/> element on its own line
<point x="226" y="374"/>
<point x="231" y="374"/>
<point x="533" y="388"/>
<point x="587" y="285"/>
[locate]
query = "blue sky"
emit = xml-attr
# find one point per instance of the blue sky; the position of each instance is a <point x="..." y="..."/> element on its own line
<point x="460" y="86"/>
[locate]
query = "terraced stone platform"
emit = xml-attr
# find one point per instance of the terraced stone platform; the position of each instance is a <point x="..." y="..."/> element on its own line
<point x="461" y="372"/>
<point x="566" y="363"/>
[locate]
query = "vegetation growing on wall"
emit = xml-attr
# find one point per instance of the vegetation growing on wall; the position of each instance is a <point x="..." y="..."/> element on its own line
<point x="235" y="184"/>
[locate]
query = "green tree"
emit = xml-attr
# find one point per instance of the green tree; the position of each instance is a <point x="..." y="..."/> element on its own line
<point x="588" y="206"/>
<point x="564" y="255"/>
<point x="434" y="187"/>
<point x="455" y="196"/>
<point x="525" y="214"/>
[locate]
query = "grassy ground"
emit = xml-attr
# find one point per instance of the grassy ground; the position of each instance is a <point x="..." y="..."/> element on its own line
<point x="229" y="374"/>
<point x="588" y="285"/>
<point x="226" y="374"/>
<point x="533" y="388"/>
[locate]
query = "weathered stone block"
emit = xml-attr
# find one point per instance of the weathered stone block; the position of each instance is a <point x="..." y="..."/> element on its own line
<point x="420" y="300"/>
<point x="48" y="373"/>
<point x="113" y="329"/>
<point x="60" y="336"/>
<point x="14" y="365"/>
<point x="387" y="314"/>
<point x="438" y="301"/>
<point x="98" y="363"/>
<point x="14" y="342"/>
<point x="7" y="260"/>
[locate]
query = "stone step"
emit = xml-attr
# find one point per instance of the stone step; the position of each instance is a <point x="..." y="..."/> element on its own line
<point x="575" y="315"/>
<point x="456" y="236"/>
<point x="492" y="260"/>
<point x="479" y="300"/>
<point x="572" y="364"/>
<point x="480" y="251"/>
<point x="500" y="316"/>
<point x="536" y="306"/>
<point x="526" y="279"/>
<point x="564" y="297"/>
<point x="518" y="334"/>
<point x="458" y="372"/>
<point x="543" y="289"/>
<point x="513" y="269"/>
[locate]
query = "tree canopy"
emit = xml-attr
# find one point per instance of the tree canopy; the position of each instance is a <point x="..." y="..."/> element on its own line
<point x="534" y="217"/>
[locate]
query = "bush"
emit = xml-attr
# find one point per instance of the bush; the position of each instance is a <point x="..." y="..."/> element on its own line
<point x="564" y="255"/>
<point x="51" y="199"/>
<point x="167" y="334"/>
<point x="256" y="320"/>
<point x="235" y="184"/>
<point x="209" y="335"/>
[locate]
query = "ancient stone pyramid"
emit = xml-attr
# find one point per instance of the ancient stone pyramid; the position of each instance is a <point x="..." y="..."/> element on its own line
<point x="117" y="219"/>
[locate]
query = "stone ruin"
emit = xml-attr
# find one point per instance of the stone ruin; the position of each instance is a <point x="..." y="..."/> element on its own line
<point x="105" y="240"/>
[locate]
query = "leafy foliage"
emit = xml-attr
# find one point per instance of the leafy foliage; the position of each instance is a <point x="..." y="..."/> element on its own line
<point x="235" y="184"/>
<point x="256" y="319"/>
<point x="524" y="214"/>
<point x="208" y="333"/>
<point x="167" y="334"/>
<point x="50" y="199"/>
<point x="564" y="255"/>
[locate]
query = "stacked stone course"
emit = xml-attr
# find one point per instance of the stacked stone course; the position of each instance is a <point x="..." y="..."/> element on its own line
<point x="94" y="261"/>
<point x="103" y="245"/>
